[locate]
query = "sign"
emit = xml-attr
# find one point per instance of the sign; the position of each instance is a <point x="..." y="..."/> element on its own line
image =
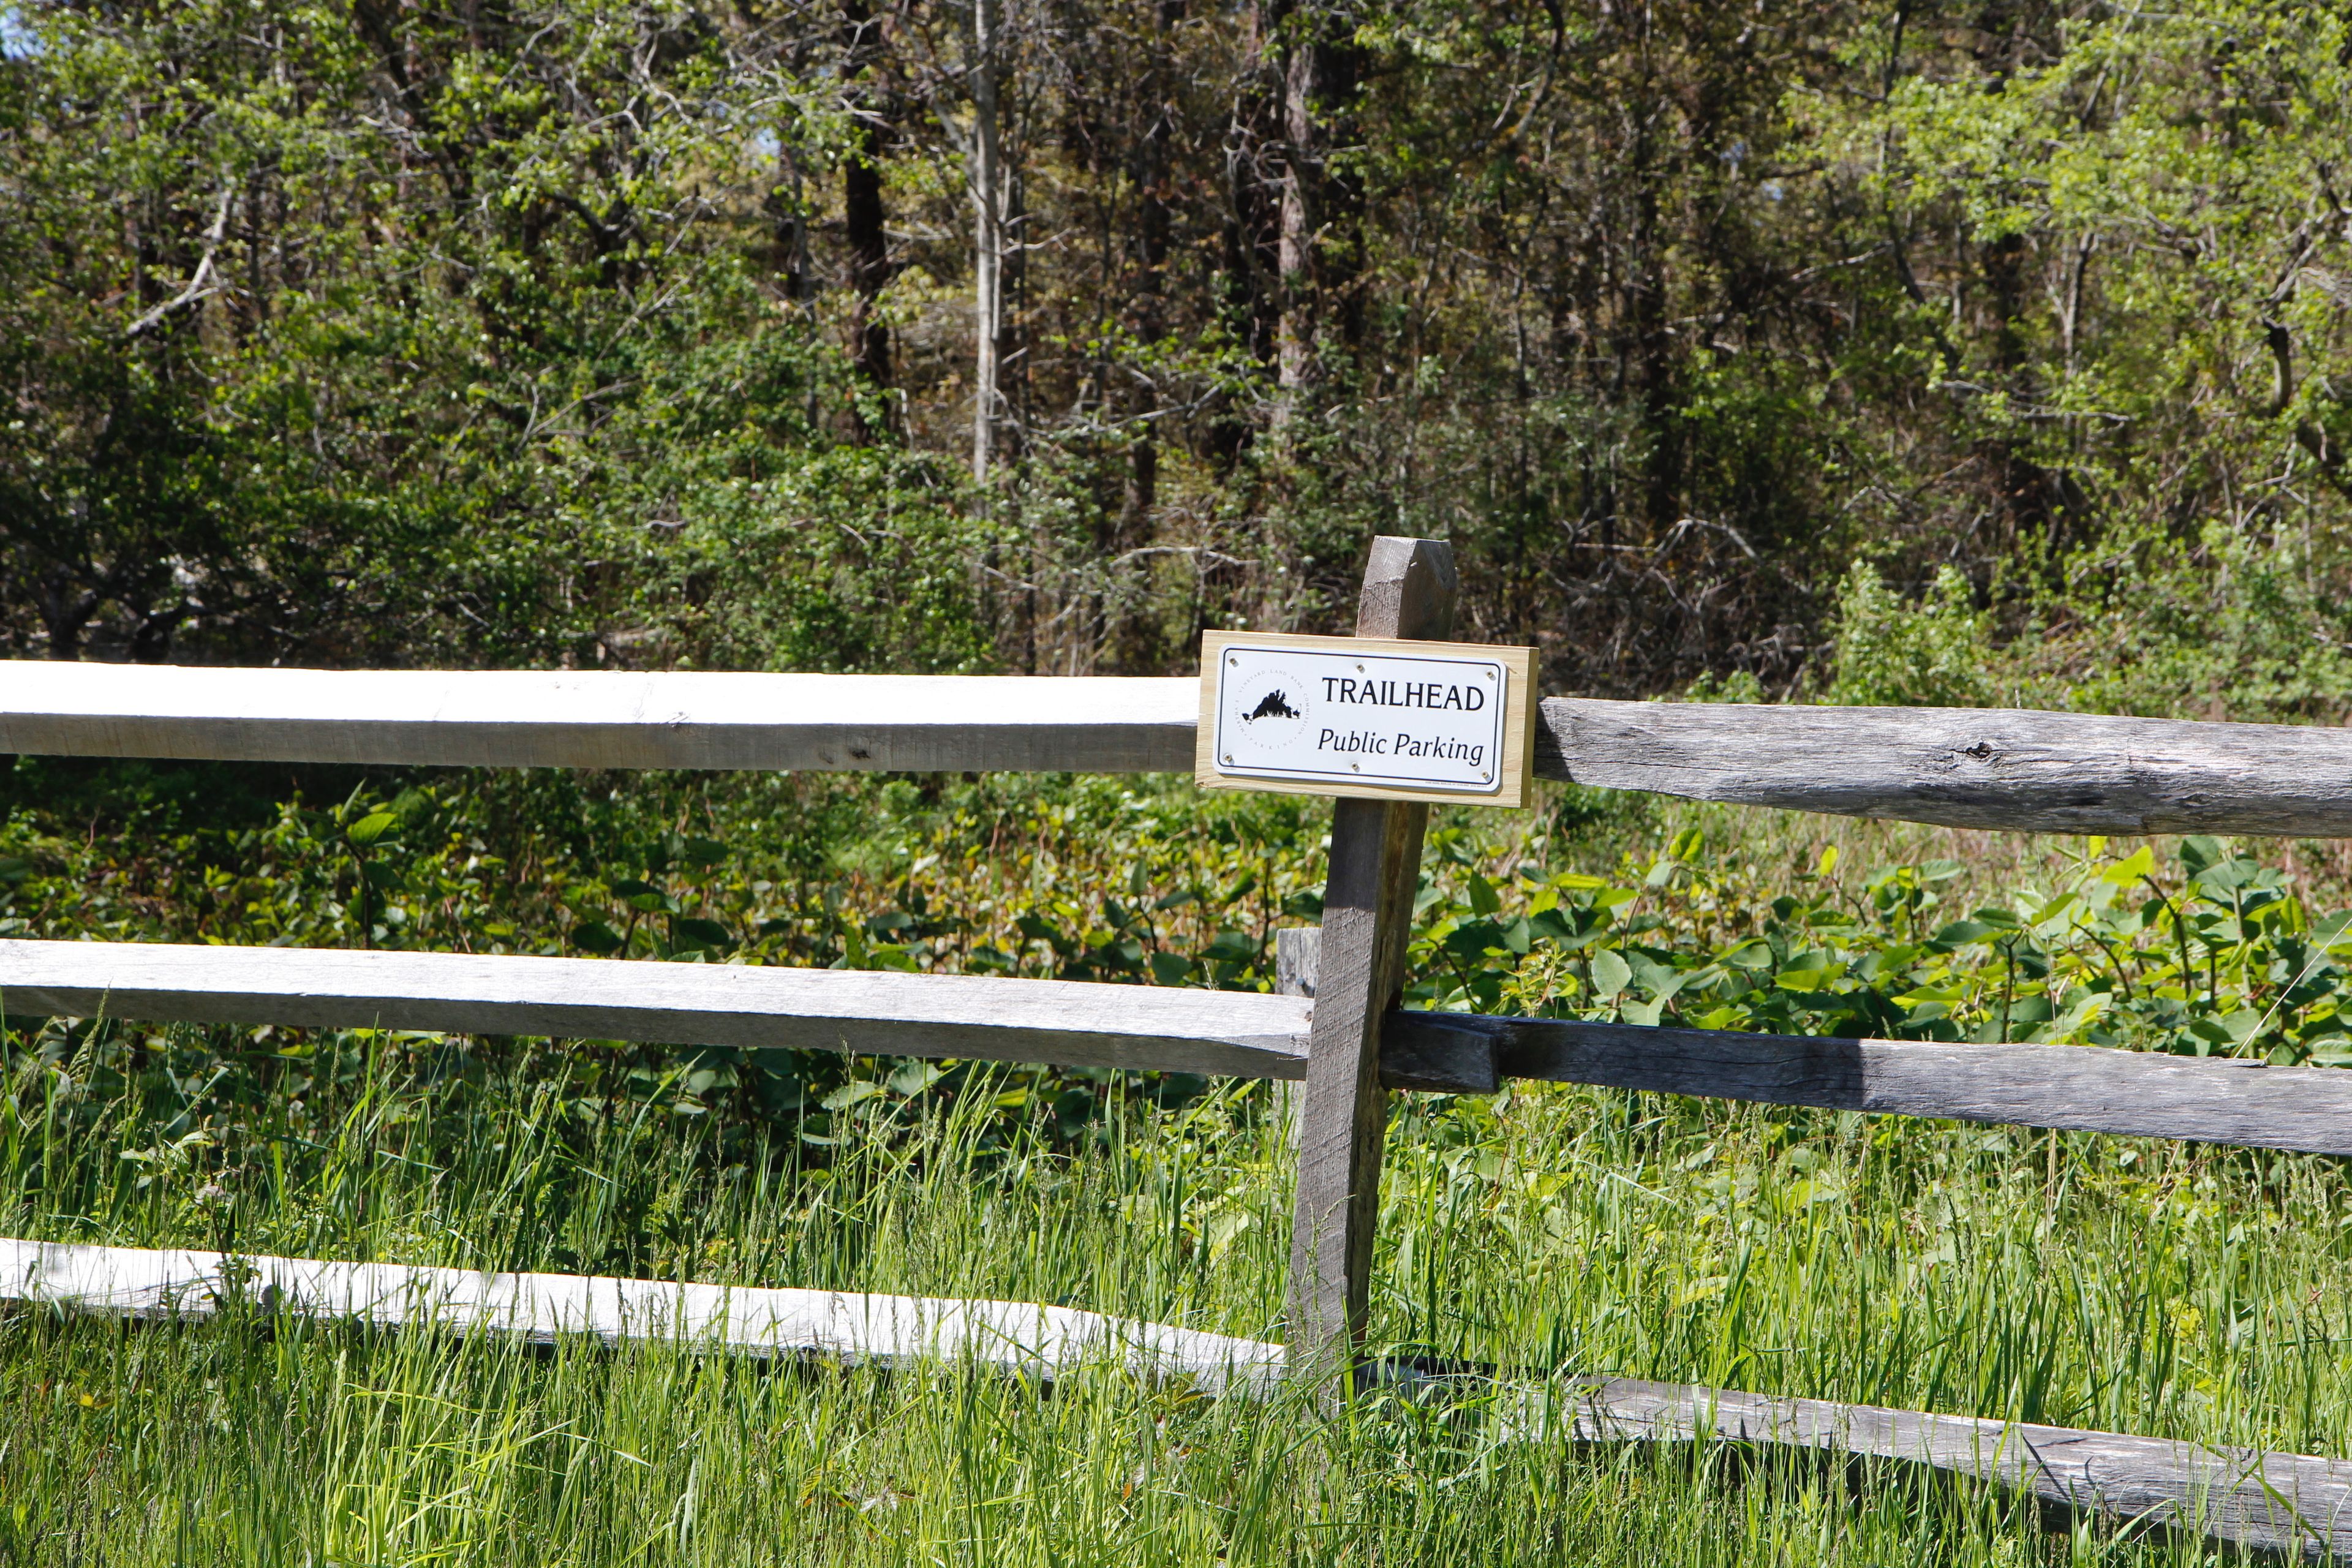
<point x="1366" y="716"/>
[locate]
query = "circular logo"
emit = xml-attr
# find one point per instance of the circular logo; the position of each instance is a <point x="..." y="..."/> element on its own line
<point x="1270" y="706"/>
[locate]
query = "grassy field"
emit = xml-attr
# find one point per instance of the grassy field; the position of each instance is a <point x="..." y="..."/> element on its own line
<point x="2089" y="1282"/>
<point x="2085" y="1281"/>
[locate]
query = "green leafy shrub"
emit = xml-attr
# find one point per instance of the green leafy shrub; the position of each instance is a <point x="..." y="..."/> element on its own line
<point x="1891" y="654"/>
<point x="2214" y="956"/>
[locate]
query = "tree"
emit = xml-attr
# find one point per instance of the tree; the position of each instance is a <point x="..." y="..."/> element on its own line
<point x="1322" y="200"/>
<point x="321" y="348"/>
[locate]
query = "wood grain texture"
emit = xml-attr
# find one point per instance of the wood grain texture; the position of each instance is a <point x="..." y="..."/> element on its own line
<point x="1513" y="791"/>
<point x="888" y="1330"/>
<point x="1409" y="592"/>
<point x="1440" y="1053"/>
<point x="1074" y="1023"/>
<point x="1297" y="951"/>
<point x="1297" y="955"/>
<point x="2057" y="773"/>
<point x="2143" y="1093"/>
<point x="912" y="723"/>
<point x="2000" y="768"/>
<point x="2290" y="1504"/>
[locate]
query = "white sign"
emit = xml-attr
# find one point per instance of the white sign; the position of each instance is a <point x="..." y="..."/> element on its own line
<point x="1344" y="716"/>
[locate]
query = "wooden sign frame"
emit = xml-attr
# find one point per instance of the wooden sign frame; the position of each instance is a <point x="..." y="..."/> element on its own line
<point x="1513" y="787"/>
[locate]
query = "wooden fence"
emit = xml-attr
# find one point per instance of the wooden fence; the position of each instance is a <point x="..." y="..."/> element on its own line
<point x="1337" y="1029"/>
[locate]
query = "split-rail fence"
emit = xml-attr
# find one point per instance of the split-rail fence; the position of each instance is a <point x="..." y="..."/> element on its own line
<point x="1332" y="1023"/>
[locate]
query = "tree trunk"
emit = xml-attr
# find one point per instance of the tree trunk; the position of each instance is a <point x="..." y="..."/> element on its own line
<point x="988" y="207"/>
<point x="1321" y="209"/>
<point x="1153" y="224"/>
<point x="1251" y="300"/>
<point x="864" y="216"/>
<point x="66" y="609"/>
<point x="2034" y="499"/>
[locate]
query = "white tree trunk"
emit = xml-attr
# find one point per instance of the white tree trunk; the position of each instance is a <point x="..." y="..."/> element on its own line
<point x="988" y="204"/>
<point x="1301" y="149"/>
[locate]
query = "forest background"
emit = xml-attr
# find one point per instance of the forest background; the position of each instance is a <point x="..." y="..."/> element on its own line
<point x="584" y="333"/>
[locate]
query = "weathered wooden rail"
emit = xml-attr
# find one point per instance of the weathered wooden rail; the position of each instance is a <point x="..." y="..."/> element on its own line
<point x="2208" y="1100"/>
<point x="2012" y="769"/>
<point x="848" y="1326"/>
<point x="2281" y="1505"/>
<point x="2288" y="1504"/>
<point x="1334" y="1027"/>
<point x="1235" y="1033"/>
<point x="563" y="719"/>
<point x="1993" y="768"/>
<point x="1067" y="1022"/>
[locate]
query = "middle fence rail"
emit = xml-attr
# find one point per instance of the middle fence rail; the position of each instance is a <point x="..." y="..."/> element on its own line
<point x="1069" y="1022"/>
<point x="1236" y="1034"/>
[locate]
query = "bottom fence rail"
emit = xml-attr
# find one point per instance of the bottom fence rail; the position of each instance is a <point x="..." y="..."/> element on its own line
<point x="2294" y="1504"/>
<point x="833" y="1324"/>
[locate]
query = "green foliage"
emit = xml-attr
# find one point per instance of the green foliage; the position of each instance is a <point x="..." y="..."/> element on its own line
<point x="380" y="334"/>
<point x="515" y="334"/>
<point x="737" y="534"/>
<point x="1739" y="686"/>
<point x="349" y="336"/>
<point x="2106" y="1282"/>
<point x="1091" y="879"/>
<point x="2167" y="418"/>
<point x="1928" y="654"/>
<point x="2233" y="628"/>
<point x="2215" y="955"/>
<point x="1141" y="882"/>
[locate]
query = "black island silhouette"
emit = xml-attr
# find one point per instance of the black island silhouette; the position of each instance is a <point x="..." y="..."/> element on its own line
<point x="1273" y="705"/>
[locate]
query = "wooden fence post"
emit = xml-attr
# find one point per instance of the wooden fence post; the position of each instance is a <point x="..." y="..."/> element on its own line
<point x="1409" y="592"/>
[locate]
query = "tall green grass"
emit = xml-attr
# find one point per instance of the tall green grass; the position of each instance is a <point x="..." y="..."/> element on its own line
<point x="2122" y="1284"/>
<point x="2088" y="1281"/>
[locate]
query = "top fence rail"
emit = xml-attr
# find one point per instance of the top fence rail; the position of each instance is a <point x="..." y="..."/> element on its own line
<point x="1992" y="768"/>
<point x="565" y="719"/>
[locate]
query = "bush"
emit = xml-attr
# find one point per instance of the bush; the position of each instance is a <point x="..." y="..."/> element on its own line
<point x="1928" y="654"/>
